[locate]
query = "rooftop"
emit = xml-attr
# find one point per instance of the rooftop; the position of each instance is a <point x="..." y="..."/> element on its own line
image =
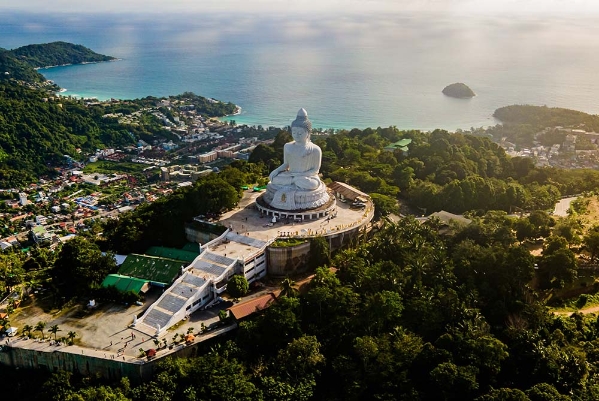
<point x="125" y="284"/>
<point x="152" y="268"/>
<point x="401" y="144"/>
<point x="172" y="253"/>
<point x="242" y="310"/>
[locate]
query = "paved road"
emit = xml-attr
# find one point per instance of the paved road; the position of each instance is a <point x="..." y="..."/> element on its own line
<point x="561" y="208"/>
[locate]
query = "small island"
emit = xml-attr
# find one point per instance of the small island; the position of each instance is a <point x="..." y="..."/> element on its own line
<point x="459" y="90"/>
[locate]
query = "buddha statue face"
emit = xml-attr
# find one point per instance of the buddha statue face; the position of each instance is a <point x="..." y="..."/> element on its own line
<point x="300" y="134"/>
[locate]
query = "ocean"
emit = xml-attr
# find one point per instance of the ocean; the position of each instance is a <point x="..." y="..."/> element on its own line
<point x="347" y="71"/>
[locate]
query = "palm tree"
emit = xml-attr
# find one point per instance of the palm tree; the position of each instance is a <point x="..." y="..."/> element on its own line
<point x="27" y="329"/>
<point x="54" y="329"/>
<point x="190" y="330"/>
<point x="40" y="326"/>
<point x="288" y="288"/>
<point x="71" y="336"/>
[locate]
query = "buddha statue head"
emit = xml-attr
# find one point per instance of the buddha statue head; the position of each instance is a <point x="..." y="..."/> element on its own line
<point x="301" y="127"/>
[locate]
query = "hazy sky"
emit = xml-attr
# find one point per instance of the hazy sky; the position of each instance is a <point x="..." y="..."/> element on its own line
<point x="557" y="7"/>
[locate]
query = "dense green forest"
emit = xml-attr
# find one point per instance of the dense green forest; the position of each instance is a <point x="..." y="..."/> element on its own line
<point x="56" y="53"/>
<point x="13" y="68"/>
<point x="162" y="222"/>
<point x="441" y="171"/>
<point x="36" y="133"/>
<point x="408" y="315"/>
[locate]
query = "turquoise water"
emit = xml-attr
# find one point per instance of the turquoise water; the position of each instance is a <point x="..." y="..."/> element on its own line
<point x="346" y="71"/>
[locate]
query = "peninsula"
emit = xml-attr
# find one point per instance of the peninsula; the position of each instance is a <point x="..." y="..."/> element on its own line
<point x="459" y="90"/>
<point x="57" y="53"/>
<point x="21" y="63"/>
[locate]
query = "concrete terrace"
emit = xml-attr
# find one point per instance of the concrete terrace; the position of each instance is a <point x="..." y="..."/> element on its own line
<point x="245" y="220"/>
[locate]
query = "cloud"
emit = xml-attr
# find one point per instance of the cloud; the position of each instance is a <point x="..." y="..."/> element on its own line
<point x="287" y="7"/>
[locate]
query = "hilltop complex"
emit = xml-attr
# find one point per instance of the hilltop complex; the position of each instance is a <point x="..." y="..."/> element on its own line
<point x="294" y="196"/>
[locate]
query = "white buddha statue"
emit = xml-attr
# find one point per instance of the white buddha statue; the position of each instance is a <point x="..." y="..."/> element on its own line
<point x="301" y="158"/>
<point x="295" y="184"/>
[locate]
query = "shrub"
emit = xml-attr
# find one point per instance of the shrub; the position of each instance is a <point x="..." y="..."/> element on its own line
<point x="582" y="301"/>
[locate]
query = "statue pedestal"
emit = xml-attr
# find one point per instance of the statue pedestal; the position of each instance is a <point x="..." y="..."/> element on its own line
<point x="292" y="198"/>
<point x="291" y="202"/>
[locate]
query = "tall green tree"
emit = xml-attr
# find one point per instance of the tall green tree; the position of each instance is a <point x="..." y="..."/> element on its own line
<point x="40" y="326"/>
<point x="591" y="242"/>
<point x="81" y="266"/>
<point x="54" y="330"/>
<point x="237" y="286"/>
<point x="557" y="265"/>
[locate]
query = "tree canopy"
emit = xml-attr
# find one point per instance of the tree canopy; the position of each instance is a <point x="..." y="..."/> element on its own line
<point x="410" y="314"/>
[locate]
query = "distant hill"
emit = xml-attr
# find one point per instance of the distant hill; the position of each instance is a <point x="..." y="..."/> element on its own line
<point x="543" y="116"/>
<point x="20" y="63"/>
<point x="57" y="53"/>
<point x="459" y="90"/>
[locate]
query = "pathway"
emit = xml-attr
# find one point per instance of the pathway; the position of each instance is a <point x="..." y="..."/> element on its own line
<point x="561" y="208"/>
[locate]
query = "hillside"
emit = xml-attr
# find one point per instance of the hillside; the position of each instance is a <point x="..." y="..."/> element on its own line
<point x="543" y="116"/>
<point x="38" y="129"/>
<point x="10" y="67"/>
<point x="57" y="53"/>
<point x="35" y="132"/>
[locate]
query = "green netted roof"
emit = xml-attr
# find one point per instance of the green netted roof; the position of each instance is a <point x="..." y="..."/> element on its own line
<point x="124" y="283"/>
<point x="401" y="144"/>
<point x="172" y="253"/>
<point x="152" y="268"/>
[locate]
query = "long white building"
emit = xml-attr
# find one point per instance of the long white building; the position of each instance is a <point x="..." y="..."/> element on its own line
<point x="205" y="278"/>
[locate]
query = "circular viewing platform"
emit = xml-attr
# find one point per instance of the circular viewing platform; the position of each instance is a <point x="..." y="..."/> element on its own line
<point x="325" y="210"/>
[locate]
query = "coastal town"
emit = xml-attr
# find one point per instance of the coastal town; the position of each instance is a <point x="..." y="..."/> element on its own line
<point x="569" y="148"/>
<point x="88" y="188"/>
<point x="91" y="187"/>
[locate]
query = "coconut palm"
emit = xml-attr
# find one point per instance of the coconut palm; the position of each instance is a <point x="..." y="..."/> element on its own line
<point x="190" y="330"/>
<point x="71" y="336"/>
<point x="40" y="326"/>
<point x="54" y="329"/>
<point x="288" y="288"/>
<point x="27" y="329"/>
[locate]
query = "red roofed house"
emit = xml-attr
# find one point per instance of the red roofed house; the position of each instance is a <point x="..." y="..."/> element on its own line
<point x="245" y="309"/>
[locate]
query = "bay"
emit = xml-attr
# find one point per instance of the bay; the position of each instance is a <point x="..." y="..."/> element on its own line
<point x="346" y="70"/>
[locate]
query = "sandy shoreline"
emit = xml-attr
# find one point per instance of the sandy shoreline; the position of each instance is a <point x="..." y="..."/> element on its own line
<point x="85" y="62"/>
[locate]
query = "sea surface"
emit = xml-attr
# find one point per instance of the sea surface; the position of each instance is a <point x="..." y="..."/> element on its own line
<point x="347" y="71"/>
